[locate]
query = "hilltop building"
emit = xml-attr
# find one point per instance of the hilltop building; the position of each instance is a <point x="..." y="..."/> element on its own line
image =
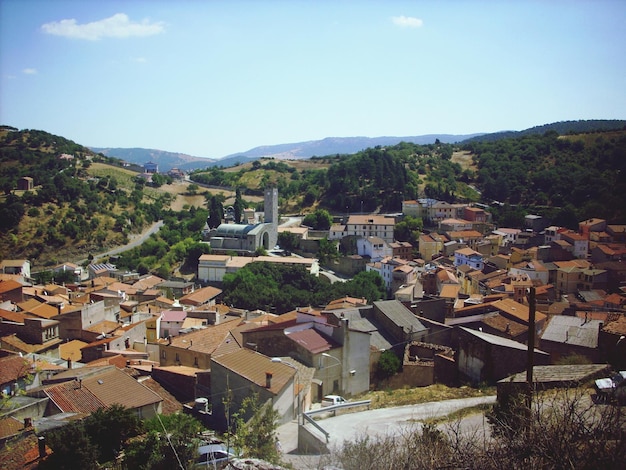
<point x="246" y="238"/>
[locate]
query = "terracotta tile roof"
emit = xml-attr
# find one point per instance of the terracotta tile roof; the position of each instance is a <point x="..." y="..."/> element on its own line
<point x="10" y="426"/>
<point x="104" y="326"/>
<point x="28" y="304"/>
<point x="44" y="311"/>
<point x="147" y="282"/>
<point x="254" y="366"/>
<point x="200" y="296"/>
<point x="6" y="286"/>
<point x="311" y="340"/>
<point x="17" y="317"/>
<point x="101" y="389"/>
<point x="170" y="404"/>
<point x="504" y="325"/>
<point x="346" y="302"/>
<point x="515" y="309"/>
<point x="370" y="220"/>
<point x="71" y="396"/>
<point x="71" y="350"/>
<point x="13" y="367"/>
<point x="207" y="339"/>
<point x="450" y="291"/>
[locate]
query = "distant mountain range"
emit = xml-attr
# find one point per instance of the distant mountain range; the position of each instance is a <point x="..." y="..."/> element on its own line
<point x="297" y="150"/>
<point x="337" y="145"/>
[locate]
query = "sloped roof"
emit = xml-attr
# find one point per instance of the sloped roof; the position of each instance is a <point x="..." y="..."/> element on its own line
<point x="499" y="341"/>
<point x="71" y="350"/>
<point x="311" y="340"/>
<point x="6" y="286"/>
<point x="450" y="291"/>
<point x="103" y="388"/>
<point x="400" y="315"/>
<point x="205" y="340"/>
<point x="13" y="367"/>
<point x="200" y="296"/>
<point x="254" y="366"/>
<point x="559" y="373"/>
<point x="572" y="330"/>
<point x="173" y="315"/>
<point x="515" y="309"/>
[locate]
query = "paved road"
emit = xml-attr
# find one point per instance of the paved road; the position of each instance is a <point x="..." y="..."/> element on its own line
<point x="380" y="422"/>
<point x="135" y="240"/>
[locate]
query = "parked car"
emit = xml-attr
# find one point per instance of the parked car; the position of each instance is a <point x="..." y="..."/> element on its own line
<point x="330" y="400"/>
<point x="213" y="456"/>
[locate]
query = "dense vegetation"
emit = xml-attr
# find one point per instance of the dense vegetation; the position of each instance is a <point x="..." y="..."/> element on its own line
<point x="281" y="289"/>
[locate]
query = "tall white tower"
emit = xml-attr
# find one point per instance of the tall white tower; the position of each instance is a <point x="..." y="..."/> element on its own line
<point x="271" y="214"/>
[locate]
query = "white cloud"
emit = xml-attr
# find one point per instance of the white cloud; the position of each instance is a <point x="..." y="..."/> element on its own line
<point x="407" y="21"/>
<point x="139" y="60"/>
<point x="30" y="71"/>
<point x="117" y="26"/>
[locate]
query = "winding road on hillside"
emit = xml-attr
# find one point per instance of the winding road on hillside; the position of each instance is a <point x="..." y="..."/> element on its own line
<point x="134" y="241"/>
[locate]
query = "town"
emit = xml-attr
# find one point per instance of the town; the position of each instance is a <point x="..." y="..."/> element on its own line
<point x="462" y="313"/>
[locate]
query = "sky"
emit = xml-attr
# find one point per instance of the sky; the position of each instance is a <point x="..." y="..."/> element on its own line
<point x="214" y="78"/>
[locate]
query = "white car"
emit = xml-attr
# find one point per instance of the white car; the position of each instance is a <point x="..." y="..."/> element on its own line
<point x="331" y="400"/>
<point x="213" y="456"/>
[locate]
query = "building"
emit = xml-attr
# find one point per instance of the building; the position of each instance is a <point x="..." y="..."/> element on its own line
<point x="238" y="375"/>
<point x="212" y="268"/>
<point x="486" y="358"/>
<point x="469" y="257"/>
<point x="370" y="226"/>
<point x="247" y="238"/>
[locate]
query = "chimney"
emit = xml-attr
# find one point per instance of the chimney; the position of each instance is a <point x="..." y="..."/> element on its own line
<point x="268" y="380"/>
<point x="69" y="363"/>
<point x="28" y="422"/>
<point x="41" y="441"/>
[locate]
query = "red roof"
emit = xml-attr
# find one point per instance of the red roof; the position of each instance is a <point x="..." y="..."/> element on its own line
<point x="311" y="340"/>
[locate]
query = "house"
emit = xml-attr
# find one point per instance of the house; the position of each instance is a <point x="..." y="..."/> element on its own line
<point x="509" y="235"/>
<point x="150" y="167"/>
<point x="11" y="291"/>
<point x="431" y="245"/>
<point x="578" y="241"/>
<point x="566" y="336"/>
<point x="194" y="349"/>
<point x="101" y="270"/>
<point x="245" y="373"/>
<point x="320" y="339"/>
<point x="485" y="358"/>
<point x="402" y="250"/>
<point x="20" y="267"/>
<point x="88" y="389"/>
<point x="398" y="321"/>
<point x="373" y="247"/>
<point x="171" y="322"/>
<point x="370" y="226"/>
<point x="469" y="257"/>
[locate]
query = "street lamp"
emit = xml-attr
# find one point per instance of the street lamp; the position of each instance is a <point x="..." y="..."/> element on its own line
<point x="332" y="357"/>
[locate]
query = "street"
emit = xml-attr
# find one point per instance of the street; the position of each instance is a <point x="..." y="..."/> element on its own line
<point x="380" y="422"/>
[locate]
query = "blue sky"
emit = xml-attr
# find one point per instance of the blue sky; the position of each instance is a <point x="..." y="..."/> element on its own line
<point x="212" y="78"/>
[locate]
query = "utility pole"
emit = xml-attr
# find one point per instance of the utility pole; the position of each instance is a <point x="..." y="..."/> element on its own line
<point x="531" y="352"/>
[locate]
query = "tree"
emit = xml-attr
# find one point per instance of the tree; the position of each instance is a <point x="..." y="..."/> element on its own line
<point x="327" y="251"/>
<point x="238" y="206"/>
<point x="319" y="220"/>
<point x="388" y="364"/>
<point x="256" y="437"/>
<point x="216" y="212"/>
<point x="171" y="442"/>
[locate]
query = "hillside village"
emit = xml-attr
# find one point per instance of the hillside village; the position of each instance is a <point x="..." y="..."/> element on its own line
<point x="457" y="313"/>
